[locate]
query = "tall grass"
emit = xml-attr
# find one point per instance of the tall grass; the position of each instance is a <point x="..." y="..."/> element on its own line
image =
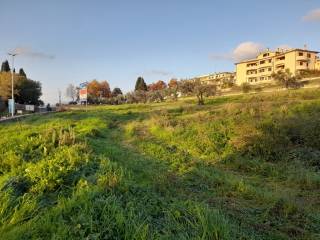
<point x="241" y="167"/>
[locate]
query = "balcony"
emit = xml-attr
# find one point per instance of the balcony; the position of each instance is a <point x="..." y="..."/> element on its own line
<point x="252" y="67"/>
<point x="302" y="67"/>
<point x="265" y="63"/>
<point x="279" y="67"/>
<point x="303" y="58"/>
<point x="280" y="60"/>
<point x="279" y="63"/>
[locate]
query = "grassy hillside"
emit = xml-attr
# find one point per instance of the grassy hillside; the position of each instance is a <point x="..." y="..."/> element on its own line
<point x="241" y="167"/>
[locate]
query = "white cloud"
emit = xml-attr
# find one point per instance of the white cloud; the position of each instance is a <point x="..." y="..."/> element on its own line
<point x="312" y="16"/>
<point x="245" y="50"/>
<point x="29" y="52"/>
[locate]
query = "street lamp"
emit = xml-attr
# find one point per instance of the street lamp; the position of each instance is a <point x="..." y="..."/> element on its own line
<point x="12" y="82"/>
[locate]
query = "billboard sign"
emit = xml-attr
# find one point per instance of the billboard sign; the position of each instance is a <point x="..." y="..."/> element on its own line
<point x="83" y="92"/>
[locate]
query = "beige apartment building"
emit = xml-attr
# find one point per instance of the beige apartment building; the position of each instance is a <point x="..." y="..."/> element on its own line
<point x="218" y="79"/>
<point x="317" y="64"/>
<point x="260" y="69"/>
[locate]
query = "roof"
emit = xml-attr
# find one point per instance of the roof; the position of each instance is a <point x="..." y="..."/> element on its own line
<point x="279" y="53"/>
<point x="216" y="73"/>
<point x="302" y="50"/>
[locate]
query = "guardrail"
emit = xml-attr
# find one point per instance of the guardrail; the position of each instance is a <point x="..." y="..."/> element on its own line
<point x="11" y="119"/>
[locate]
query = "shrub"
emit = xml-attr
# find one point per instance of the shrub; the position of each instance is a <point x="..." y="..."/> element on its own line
<point x="246" y="87"/>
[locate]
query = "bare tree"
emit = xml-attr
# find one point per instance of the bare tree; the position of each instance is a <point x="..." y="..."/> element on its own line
<point x="198" y="89"/>
<point x="71" y="92"/>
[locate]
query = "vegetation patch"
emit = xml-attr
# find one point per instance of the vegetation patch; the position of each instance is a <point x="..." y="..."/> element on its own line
<point x="239" y="167"/>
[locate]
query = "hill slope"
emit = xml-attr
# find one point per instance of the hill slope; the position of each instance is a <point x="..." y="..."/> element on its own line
<point x="241" y="167"/>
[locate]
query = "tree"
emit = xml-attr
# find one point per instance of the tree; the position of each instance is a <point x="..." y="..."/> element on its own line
<point x="28" y="91"/>
<point x="71" y="92"/>
<point x="173" y="83"/>
<point x="130" y="97"/>
<point x="172" y="90"/>
<point x="5" y="85"/>
<point x="159" y="85"/>
<point x="204" y="90"/>
<point x="187" y="87"/>
<point x="104" y="88"/>
<point x="140" y="85"/>
<point x="119" y="99"/>
<point x="155" y="96"/>
<point x="93" y="89"/>
<point x="116" y="91"/>
<point x="199" y="89"/>
<point x="5" y="67"/>
<point x="286" y="79"/>
<point x="78" y="94"/>
<point x="98" y="91"/>
<point x="22" y="73"/>
<point x="140" y="96"/>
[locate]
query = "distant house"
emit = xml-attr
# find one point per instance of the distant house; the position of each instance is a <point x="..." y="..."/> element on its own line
<point x="219" y="79"/>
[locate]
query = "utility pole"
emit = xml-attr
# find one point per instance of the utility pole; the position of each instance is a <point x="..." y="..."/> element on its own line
<point x="12" y="83"/>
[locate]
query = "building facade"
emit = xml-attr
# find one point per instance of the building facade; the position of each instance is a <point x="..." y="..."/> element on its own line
<point x="260" y="69"/>
<point x="218" y="79"/>
<point x="317" y="67"/>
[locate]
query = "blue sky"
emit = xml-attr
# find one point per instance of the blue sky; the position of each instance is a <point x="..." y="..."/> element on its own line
<point x="74" y="41"/>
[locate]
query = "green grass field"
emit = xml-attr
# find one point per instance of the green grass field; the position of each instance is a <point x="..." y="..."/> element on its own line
<point x="240" y="167"/>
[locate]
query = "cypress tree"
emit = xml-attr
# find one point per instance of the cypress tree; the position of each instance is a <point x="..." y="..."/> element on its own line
<point x="22" y="72"/>
<point x="5" y="67"/>
<point x="141" y="84"/>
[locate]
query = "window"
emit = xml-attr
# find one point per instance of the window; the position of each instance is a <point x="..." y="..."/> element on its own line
<point x="269" y="69"/>
<point x="262" y="62"/>
<point x="269" y="77"/>
<point x="300" y="53"/>
<point x="266" y="55"/>
<point x="301" y="63"/>
<point x="261" y="78"/>
<point x="270" y="60"/>
<point x="309" y="55"/>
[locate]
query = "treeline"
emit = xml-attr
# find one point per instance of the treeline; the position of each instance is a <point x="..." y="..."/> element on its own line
<point x="100" y="92"/>
<point x="26" y="91"/>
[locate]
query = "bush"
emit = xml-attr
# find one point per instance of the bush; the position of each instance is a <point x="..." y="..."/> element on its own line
<point x="246" y="87"/>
